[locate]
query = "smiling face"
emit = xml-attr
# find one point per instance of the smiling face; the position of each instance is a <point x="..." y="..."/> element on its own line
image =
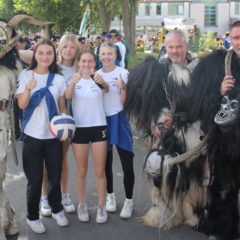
<point x="108" y="55"/>
<point x="86" y="64"/>
<point x="176" y="49"/>
<point x="44" y="55"/>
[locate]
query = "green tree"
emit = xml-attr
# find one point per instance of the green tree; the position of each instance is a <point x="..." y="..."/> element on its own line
<point x="108" y="9"/>
<point x="6" y="9"/>
<point x="65" y="14"/>
<point x="105" y="11"/>
<point x="129" y="11"/>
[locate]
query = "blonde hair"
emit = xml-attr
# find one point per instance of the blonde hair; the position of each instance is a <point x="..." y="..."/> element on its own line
<point x="64" y="39"/>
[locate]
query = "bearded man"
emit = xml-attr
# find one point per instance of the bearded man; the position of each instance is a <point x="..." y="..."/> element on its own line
<point x="216" y="100"/>
<point x="157" y="97"/>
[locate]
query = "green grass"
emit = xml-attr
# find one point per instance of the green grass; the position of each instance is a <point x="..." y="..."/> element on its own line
<point x="139" y="57"/>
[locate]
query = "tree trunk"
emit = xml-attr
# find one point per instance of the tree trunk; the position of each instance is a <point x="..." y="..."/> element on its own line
<point x="129" y="10"/>
<point x="105" y="15"/>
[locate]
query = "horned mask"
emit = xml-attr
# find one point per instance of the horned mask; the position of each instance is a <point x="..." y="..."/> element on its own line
<point x="7" y="42"/>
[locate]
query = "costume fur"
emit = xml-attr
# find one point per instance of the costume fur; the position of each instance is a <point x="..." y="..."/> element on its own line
<point x="8" y="75"/>
<point x="223" y="145"/>
<point x="178" y="182"/>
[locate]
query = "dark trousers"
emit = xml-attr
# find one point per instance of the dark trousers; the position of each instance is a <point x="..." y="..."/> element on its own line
<point x="126" y="158"/>
<point x="35" y="153"/>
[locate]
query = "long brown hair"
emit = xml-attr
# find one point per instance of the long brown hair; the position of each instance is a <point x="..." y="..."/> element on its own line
<point x="53" y="67"/>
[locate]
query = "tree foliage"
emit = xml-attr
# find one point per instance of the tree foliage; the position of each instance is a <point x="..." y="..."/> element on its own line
<point x="66" y="14"/>
<point x="129" y="11"/>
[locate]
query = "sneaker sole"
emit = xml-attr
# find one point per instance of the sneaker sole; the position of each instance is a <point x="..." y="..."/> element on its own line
<point x="61" y="225"/>
<point x="83" y="220"/>
<point x="38" y="232"/>
<point x="112" y="210"/>
<point x="101" y="221"/>
<point x="125" y="217"/>
<point x="72" y="210"/>
<point x="46" y="214"/>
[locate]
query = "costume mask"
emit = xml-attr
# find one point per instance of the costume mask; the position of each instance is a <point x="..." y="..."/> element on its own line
<point x="228" y="112"/>
<point x="7" y="42"/>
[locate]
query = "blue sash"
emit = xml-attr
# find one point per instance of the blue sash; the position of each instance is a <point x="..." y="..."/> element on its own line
<point x="35" y="100"/>
<point x="119" y="132"/>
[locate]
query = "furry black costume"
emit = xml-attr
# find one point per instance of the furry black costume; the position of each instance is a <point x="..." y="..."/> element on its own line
<point x="179" y="190"/>
<point x="223" y="145"/>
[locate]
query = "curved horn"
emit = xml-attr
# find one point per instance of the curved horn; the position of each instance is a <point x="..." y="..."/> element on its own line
<point x="190" y="155"/>
<point x="228" y="60"/>
<point x="20" y="18"/>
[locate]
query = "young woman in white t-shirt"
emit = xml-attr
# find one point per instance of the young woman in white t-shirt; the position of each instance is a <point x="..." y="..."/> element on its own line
<point x="40" y="147"/>
<point x="87" y="106"/>
<point x="68" y="52"/>
<point x="119" y="130"/>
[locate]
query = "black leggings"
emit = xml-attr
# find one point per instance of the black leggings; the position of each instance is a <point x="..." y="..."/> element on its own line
<point x="126" y="158"/>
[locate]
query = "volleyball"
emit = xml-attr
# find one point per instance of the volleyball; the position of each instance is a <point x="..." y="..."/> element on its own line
<point x="62" y="127"/>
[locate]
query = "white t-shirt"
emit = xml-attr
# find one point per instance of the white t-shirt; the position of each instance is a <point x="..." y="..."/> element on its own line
<point x="38" y="125"/>
<point x="87" y="104"/>
<point x="67" y="72"/>
<point x="112" y="101"/>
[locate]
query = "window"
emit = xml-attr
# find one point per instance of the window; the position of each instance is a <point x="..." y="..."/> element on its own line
<point x="175" y="9"/>
<point x="210" y="16"/>
<point x="158" y="9"/>
<point x="147" y="9"/>
<point x="237" y="8"/>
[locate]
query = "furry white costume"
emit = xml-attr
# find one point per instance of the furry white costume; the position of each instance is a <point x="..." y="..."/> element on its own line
<point x="9" y="67"/>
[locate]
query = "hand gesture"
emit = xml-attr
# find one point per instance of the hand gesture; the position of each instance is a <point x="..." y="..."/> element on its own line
<point x="167" y="124"/>
<point x="120" y="83"/>
<point x="76" y="76"/>
<point x="98" y="79"/>
<point x="228" y="84"/>
<point x="32" y="83"/>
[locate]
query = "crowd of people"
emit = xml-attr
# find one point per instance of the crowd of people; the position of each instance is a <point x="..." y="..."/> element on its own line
<point x="67" y="75"/>
<point x="174" y="101"/>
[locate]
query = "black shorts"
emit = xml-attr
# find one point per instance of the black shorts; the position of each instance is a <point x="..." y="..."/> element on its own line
<point x="85" y="135"/>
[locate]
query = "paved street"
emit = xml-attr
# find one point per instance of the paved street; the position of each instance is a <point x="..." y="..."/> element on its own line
<point x="115" y="228"/>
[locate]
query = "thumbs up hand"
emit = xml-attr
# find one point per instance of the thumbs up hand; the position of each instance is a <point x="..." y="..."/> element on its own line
<point x="76" y="76"/>
<point x="32" y="83"/>
<point x="120" y="83"/>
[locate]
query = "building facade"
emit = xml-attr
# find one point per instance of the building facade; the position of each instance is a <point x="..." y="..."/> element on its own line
<point x="209" y="15"/>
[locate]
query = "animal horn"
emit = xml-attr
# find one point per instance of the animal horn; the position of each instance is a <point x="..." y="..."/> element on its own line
<point x="20" y="18"/>
<point x="190" y="155"/>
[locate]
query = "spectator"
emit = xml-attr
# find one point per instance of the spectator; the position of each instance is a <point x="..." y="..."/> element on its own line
<point x="119" y="129"/>
<point x="88" y="112"/>
<point x="68" y="51"/>
<point x="39" y="145"/>
<point x="227" y="40"/>
<point x="117" y="41"/>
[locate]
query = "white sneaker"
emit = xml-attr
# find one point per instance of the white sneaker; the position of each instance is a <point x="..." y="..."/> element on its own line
<point x="127" y="209"/>
<point x="67" y="203"/>
<point x="111" y="205"/>
<point x="45" y="209"/>
<point x="101" y="215"/>
<point x="60" y="218"/>
<point x="36" y="226"/>
<point x="83" y="215"/>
